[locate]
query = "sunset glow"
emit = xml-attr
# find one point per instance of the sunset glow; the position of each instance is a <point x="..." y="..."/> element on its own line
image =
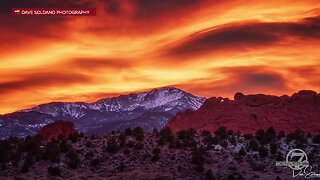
<point x="208" y="48"/>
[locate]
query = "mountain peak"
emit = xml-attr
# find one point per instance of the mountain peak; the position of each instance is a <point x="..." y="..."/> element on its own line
<point x="148" y="100"/>
<point x="168" y="88"/>
<point x="150" y="109"/>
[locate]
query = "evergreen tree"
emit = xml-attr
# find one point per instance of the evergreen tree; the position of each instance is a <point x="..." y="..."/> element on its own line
<point x="270" y="134"/>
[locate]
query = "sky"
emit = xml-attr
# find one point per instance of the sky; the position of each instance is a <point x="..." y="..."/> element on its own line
<point x="206" y="47"/>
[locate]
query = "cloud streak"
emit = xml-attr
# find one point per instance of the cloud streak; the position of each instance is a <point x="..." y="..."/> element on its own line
<point x="245" y="36"/>
<point x="42" y="81"/>
<point x="254" y="79"/>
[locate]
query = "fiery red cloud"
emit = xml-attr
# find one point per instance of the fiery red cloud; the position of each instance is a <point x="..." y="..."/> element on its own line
<point x="210" y="48"/>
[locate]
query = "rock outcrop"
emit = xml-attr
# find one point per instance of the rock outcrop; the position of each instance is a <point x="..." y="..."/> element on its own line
<point x="248" y="113"/>
<point x="56" y="129"/>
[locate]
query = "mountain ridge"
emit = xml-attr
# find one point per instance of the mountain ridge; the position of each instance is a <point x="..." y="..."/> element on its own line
<point x="104" y="113"/>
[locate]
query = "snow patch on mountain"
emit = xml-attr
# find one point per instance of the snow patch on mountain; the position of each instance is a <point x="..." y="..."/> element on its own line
<point x="168" y="97"/>
<point x="151" y="109"/>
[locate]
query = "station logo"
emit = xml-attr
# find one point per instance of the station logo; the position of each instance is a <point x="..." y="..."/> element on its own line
<point x="297" y="160"/>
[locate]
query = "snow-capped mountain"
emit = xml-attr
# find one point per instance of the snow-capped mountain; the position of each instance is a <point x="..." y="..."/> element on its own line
<point x="149" y="110"/>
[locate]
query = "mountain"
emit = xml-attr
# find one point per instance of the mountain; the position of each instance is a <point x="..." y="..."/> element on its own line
<point x="248" y="113"/>
<point x="56" y="129"/>
<point x="149" y="110"/>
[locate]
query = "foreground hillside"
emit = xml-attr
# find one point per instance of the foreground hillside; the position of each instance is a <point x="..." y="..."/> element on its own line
<point x="248" y="113"/>
<point x="133" y="154"/>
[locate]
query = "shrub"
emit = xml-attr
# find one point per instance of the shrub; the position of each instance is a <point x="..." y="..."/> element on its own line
<point x="281" y="134"/>
<point x="3" y="166"/>
<point x="88" y="144"/>
<point x="3" y="154"/>
<point x="263" y="152"/>
<point x="242" y="152"/>
<point x="187" y="138"/>
<point x="73" y="163"/>
<point x="93" y="137"/>
<point x="197" y="157"/>
<point x="191" y="132"/>
<point x="224" y="144"/>
<point x="207" y="138"/>
<point x="29" y="160"/>
<point x="121" y="167"/>
<point x="32" y="144"/>
<point x="182" y="134"/>
<point x="128" y="132"/>
<point x="208" y="143"/>
<point x="122" y="139"/>
<point x="16" y="157"/>
<point x="139" y="146"/>
<point x="165" y="136"/>
<point x="253" y="145"/>
<point x="156" y="150"/>
<point x="112" y="146"/>
<point x="233" y="140"/>
<point x="130" y="144"/>
<point x="52" y="152"/>
<point x="179" y="144"/>
<point x="155" y="157"/>
<point x="89" y="155"/>
<point x="95" y="162"/>
<point x="270" y="134"/>
<point x="205" y="133"/>
<point x="316" y="139"/>
<point x="209" y="175"/>
<point x="248" y="136"/>
<point x="74" y="160"/>
<point x="74" y="137"/>
<point x="298" y="136"/>
<point x="273" y="148"/>
<point x="172" y="143"/>
<point x="126" y="151"/>
<point x="260" y="135"/>
<point x="230" y="132"/>
<point x="138" y="133"/>
<point x="215" y="140"/>
<point x="166" y="132"/>
<point x="222" y="132"/>
<point x="231" y="177"/>
<point x="155" y="132"/>
<point x="199" y="168"/>
<point x="186" y="135"/>
<point x="72" y="154"/>
<point x="64" y="146"/>
<point x="54" y="171"/>
<point x="258" y="167"/>
<point x="156" y="154"/>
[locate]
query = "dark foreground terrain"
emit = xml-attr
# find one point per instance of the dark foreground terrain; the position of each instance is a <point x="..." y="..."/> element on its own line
<point x="133" y="154"/>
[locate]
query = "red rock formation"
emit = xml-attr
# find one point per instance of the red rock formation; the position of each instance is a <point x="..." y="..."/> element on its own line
<point x="248" y="113"/>
<point x="54" y="130"/>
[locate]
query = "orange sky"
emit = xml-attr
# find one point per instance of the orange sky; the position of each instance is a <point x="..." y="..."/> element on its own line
<point x="206" y="47"/>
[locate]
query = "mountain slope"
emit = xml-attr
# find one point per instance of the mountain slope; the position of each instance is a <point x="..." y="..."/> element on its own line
<point x="248" y="113"/>
<point x="147" y="109"/>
